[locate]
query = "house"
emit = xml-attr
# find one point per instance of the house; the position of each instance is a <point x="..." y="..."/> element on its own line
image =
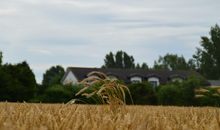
<point x="74" y="75"/>
<point x="214" y="83"/>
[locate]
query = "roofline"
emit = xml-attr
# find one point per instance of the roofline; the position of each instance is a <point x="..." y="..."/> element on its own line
<point x="177" y="76"/>
<point x="159" y="70"/>
<point x="66" y="73"/>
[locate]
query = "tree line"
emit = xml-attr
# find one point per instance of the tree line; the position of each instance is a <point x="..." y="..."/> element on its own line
<point x="122" y="60"/>
<point x="206" y="59"/>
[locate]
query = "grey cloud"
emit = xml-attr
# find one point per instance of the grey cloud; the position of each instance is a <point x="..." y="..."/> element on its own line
<point x="80" y="33"/>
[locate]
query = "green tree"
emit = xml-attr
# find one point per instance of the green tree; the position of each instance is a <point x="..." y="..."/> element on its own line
<point x="110" y="61"/>
<point x="207" y="57"/>
<point x="171" y="62"/>
<point x="1" y="58"/>
<point x="177" y="93"/>
<point x="128" y="61"/>
<point x="192" y="64"/>
<point x="119" y="60"/>
<point x="169" y="95"/>
<point x="17" y="82"/>
<point x="53" y="76"/>
<point x="6" y="82"/>
<point x="143" y="94"/>
<point x="145" y="66"/>
<point x="138" y="66"/>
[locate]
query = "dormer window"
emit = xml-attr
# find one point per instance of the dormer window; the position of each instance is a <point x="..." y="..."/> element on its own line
<point x="176" y="78"/>
<point x="136" y="79"/>
<point x="154" y="81"/>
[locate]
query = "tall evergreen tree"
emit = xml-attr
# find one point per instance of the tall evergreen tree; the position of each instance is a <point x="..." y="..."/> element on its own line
<point x="128" y="61"/>
<point x="119" y="60"/>
<point x="207" y="57"/>
<point x="138" y="66"/>
<point x="109" y="61"/>
<point x="1" y="58"/>
<point x="145" y="66"/>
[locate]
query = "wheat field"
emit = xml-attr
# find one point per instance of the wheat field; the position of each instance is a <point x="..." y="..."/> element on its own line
<point x="24" y="116"/>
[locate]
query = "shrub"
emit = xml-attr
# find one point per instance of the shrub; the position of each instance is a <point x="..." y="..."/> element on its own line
<point x="169" y="95"/>
<point x="178" y="93"/>
<point x="143" y="94"/>
<point x="58" y="94"/>
<point x="208" y="101"/>
<point x="208" y="97"/>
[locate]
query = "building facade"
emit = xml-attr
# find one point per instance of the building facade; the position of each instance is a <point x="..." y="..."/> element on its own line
<point x="74" y="75"/>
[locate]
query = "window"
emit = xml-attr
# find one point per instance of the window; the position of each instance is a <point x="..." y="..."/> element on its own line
<point x="136" y="79"/>
<point x="154" y="81"/>
<point x="177" y="79"/>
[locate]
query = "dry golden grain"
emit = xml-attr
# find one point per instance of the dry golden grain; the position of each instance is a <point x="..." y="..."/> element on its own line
<point x="23" y="116"/>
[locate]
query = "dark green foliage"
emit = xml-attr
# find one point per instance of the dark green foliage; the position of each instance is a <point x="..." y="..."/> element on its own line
<point x="196" y="81"/>
<point x="57" y="94"/>
<point x="209" y="98"/>
<point x="53" y="76"/>
<point x="192" y="64"/>
<point x="119" y="60"/>
<point x="1" y="58"/>
<point x="5" y="85"/>
<point x="169" y="95"/>
<point x="122" y="60"/>
<point x="17" y="82"/>
<point x="80" y="99"/>
<point x="172" y="62"/>
<point x="138" y="66"/>
<point x="143" y="94"/>
<point x="109" y="61"/>
<point x="208" y="101"/>
<point x="182" y="94"/>
<point x="128" y="61"/>
<point x="145" y="66"/>
<point x="207" y="57"/>
<point x="187" y="89"/>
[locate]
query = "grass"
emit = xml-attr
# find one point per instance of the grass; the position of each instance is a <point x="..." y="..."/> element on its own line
<point x="23" y="116"/>
<point x="103" y="90"/>
<point x="202" y="92"/>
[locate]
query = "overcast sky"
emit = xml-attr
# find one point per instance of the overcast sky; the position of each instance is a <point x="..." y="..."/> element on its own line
<point x="81" y="32"/>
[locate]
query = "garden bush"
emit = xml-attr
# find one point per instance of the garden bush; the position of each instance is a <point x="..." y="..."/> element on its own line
<point x="143" y="94"/>
<point x="57" y="94"/>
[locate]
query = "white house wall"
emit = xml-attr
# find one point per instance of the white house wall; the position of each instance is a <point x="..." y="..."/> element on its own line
<point x="70" y="78"/>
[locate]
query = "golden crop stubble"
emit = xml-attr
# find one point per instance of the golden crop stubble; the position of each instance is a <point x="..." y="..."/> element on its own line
<point x="98" y="117"/>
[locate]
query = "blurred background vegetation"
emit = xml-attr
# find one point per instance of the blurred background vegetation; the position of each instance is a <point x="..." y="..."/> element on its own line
<point x="18" y="84"/>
